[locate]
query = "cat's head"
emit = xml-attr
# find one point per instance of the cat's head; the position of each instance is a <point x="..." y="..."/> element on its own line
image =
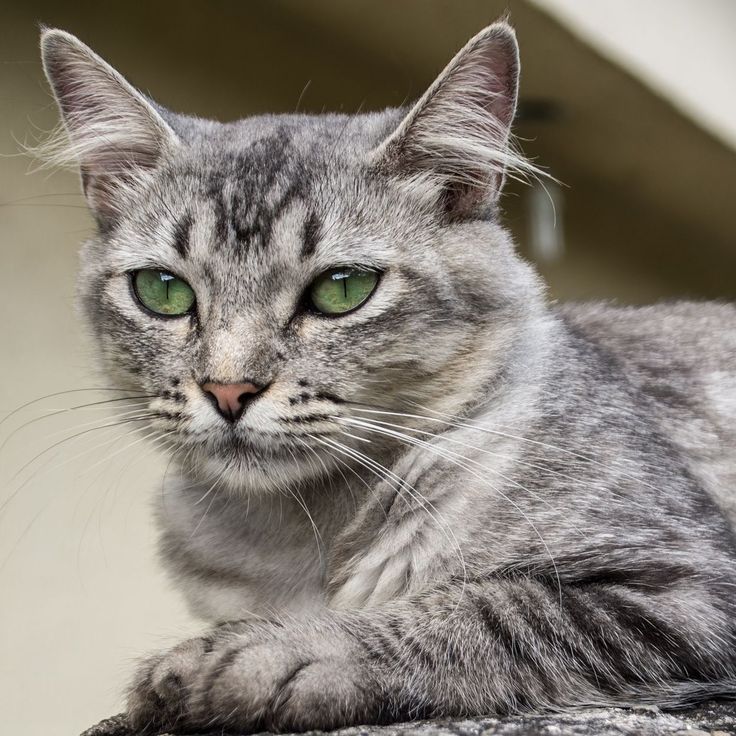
<point x="263" y="280"/>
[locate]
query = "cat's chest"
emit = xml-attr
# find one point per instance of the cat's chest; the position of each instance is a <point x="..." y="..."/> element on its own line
<point x="234" y="557"/>
<point x="240" y="556"/>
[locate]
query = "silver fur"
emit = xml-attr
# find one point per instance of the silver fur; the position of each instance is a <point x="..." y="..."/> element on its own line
<point x="457" y="499"/>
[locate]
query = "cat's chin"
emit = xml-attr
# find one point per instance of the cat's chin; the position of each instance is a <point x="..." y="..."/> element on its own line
<point x="250" y="472"/>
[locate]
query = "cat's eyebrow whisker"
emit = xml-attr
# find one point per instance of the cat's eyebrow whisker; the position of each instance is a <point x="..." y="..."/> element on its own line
<point x="21" y="200"/>
<point x="301" y="95"/>
<point x="48" y="204"/>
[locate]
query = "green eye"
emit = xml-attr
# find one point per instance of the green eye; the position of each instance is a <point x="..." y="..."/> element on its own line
<point x="162" y="292"/>
<point x="341" y="290"/>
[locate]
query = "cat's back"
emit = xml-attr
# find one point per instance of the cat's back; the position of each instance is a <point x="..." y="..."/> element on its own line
<point x="682" y="358"/>
<point x="694" y="339"/>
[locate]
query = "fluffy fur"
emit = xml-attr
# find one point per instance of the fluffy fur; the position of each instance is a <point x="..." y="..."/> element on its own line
<point x="457" y="499"/>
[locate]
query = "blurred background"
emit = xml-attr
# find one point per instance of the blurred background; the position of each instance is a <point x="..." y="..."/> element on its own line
<point x="631" y="105"/>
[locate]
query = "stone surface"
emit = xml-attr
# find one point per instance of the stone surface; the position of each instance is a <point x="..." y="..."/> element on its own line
<point x="710" y="719"/>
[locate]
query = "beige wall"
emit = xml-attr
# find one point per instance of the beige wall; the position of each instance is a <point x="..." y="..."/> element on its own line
<point x="682" y="49"/>
<point x="80" y="593"/>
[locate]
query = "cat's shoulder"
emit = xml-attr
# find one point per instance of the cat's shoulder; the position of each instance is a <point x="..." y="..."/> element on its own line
<point x="701" y="333"/>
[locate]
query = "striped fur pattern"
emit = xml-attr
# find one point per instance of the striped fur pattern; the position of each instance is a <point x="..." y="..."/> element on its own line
<point x="458" y="499"/>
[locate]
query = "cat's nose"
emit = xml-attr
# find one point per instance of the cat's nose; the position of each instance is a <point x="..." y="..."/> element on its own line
<point x="230" y="399"/>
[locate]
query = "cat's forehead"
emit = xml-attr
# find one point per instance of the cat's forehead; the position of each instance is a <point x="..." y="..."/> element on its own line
<point x="276" y="159"/>
<point x="302" y="133"/>
<point x="266" y="192"/>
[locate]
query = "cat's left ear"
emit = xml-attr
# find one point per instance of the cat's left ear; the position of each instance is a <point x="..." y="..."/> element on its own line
<point x="459" y="131"/>
<point x="114" y="133"/>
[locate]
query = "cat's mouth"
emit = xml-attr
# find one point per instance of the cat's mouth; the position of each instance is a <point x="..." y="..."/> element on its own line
<point x="252" y="464"/>
<point x="235" y="444"/>
<point x="256" y="452"/>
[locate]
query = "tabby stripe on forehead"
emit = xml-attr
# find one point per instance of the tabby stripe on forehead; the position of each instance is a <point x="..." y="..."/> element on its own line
<point x="312" y="233"/>
<point x="182" y="231"/>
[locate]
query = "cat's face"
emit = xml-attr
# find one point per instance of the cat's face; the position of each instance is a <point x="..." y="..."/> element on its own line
<point x="250" y="217"/>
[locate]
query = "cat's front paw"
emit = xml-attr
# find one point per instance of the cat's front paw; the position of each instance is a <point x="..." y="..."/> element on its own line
<point x="160" y="698"/>
<point x="256" y="678"/>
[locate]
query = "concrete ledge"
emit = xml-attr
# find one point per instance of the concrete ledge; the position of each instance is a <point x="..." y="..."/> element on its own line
<point x="710" y="719"/>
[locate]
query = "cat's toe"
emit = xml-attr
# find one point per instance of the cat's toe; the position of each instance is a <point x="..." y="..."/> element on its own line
<point x="160" y="696"/>
<point x="144" y="707"/>
<point x="280" y="686"/>
<point x="242" y="682"/>
<point x="324" y="694"/>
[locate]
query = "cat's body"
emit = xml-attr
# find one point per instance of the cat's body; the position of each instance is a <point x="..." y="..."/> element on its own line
<point x="452" y="497"/>
<point x="682" y="357"/>
<point x="677" y="361"/>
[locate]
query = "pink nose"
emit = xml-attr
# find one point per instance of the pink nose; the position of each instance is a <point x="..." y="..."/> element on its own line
<point x="230" y="398"/>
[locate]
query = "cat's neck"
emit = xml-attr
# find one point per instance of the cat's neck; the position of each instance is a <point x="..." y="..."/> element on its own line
<point x="238" y="555"/>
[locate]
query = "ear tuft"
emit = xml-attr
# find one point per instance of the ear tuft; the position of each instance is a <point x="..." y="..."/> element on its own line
<point x="460" y="130"/>
<point x="110" y="130"/>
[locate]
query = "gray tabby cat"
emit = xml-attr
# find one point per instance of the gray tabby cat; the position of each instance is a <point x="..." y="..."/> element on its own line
<point x="407" y="485"/>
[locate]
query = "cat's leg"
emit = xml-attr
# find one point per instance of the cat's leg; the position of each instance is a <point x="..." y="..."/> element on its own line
<point x="485" y="647"/>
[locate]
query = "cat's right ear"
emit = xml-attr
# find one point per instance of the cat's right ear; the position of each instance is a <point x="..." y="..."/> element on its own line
<point x="113" y="132"/>
<point x="459" y="132"/>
